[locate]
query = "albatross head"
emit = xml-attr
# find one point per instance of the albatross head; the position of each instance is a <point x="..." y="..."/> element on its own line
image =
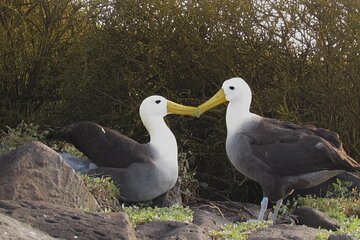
<point x="158" y="106"/>
<point x="232" y="90"/>
<point x="152" y="111"/>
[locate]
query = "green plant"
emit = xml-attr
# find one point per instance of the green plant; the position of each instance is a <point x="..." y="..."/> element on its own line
<point x="139" y="215"/>
<point x="339" y="189"/>
<point x="22" y="133"/>
<point x="189" y="184"/>
<point x="238" y="231"/>
<point x="104" y="191"/>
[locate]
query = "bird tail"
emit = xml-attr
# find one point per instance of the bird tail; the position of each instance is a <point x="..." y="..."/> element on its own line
<point x="354" y="164"/>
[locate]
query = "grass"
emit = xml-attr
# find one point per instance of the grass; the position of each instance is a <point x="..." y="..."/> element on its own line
<point x="141" y="215"/>
<point x="238" y="231"/>
<point x="104" y="191"/>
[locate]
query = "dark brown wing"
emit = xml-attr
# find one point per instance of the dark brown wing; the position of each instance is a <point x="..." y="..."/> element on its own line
<point x="291" y="149"/>
<point x="104" y="146"/>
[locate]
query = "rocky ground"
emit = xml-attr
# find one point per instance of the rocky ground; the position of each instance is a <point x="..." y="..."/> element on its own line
<point x="41" y="197"/>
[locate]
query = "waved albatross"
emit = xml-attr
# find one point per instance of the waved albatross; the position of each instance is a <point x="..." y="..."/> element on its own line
<point x="142" y="172"/>
<point x="280" y="156"/>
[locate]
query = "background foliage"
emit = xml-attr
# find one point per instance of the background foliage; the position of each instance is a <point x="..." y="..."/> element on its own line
<point x="69" y="60"/>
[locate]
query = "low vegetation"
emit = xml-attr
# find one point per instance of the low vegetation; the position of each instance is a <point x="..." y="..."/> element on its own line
<point x="104" y="191"/>
<point x="340" y="203"/>
<point x="139" y="215"/>
<point x="22" y="133"/>
<point x="238" y="231"/>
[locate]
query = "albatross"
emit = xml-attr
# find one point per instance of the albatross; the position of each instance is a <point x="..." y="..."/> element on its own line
<point x="142" y="172"/>
<point x="281" y="156"/>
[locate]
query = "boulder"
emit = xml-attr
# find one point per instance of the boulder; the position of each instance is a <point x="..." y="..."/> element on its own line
<point x="209" y="219"/>
<point x="340" y="237"/>
<point x="233" y="211"/>
<point x="314" y="218"/>
<point x="166" y="230"/>
<point x="36" y="172"/>
<point x="284" y="232"/>
<point x="13" y="229"/>
<point x="69" y="223"/>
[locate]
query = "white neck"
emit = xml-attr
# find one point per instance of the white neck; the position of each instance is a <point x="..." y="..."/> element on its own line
<point x="162" y="140"/>
<point x="238" y="116"/>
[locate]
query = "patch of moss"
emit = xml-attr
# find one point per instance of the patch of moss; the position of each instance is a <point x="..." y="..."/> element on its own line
<point x="238" y="231"/>
<point x="139" y="215"/>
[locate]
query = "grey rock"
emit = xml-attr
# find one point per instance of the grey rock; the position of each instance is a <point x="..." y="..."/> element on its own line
<point x="13" y="229"/>
<point x="340" y="237"/>
<point x="82" y="165"/>
<point x="234" y="211"/>
<point x="284" y="232"/>
<point x="166" y="230"/>
<point x="36" y="172"/>
<point x="68" y="223"/>
<point x="209" y="219"/>
<point x="314" y="218"/>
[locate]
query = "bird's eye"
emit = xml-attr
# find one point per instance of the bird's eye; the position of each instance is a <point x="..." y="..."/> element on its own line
<point x="232" y="87"/>
<point x="158" y="101"/>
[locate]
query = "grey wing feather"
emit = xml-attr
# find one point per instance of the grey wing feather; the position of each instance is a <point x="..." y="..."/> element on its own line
<point x="289" y="149"/>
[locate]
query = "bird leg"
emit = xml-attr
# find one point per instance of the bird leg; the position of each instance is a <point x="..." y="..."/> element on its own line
<point x="263" y="208"/>
<point x="276" y="211"/>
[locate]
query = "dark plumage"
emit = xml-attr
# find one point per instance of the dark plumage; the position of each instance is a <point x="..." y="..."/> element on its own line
<point x="104" y="146"/>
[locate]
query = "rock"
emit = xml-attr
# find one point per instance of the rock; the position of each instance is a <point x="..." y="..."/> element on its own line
<point x="171" y="197"/>
<point x="233" y="211"/>
<point x="36" y="172"/>
<point x="209" y="219"/>
<point x="284" y="232"/>
<point x="166" y="230"/>
<point x="68" y="223"/>
<point x="13" y="229"/>
<point x="340" y="237"/>
<point x="314" y="218"/>
<point x="321" y="189"/>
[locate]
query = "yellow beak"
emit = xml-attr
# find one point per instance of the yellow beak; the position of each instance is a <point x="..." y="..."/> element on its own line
<point x="214" y="101"/>
<point x="175" y="108"/>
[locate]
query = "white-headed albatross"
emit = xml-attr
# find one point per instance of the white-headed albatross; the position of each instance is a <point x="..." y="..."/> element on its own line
<point x="142" y="172"/>
<point x="280" y="156"/>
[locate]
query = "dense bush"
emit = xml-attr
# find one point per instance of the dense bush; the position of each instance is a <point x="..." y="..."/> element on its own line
<point x="65" y="61"/>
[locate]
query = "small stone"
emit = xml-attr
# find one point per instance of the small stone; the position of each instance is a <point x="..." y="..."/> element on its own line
<point x="164" y="230"/>
<point x="284" y="232"/>
<point x="340" y="237"/>
<point x="314" y="218"/>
